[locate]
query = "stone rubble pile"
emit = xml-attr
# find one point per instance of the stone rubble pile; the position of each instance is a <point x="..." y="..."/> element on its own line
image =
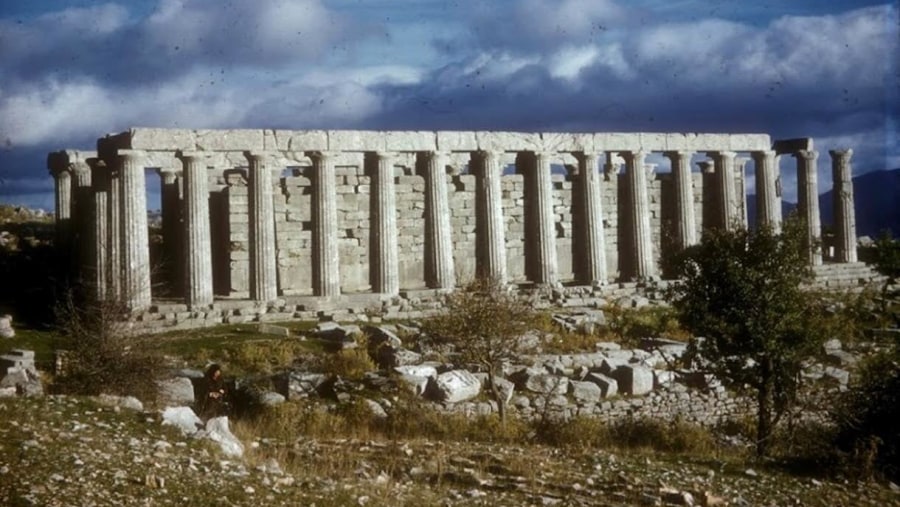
<point x="18" y="375"/>
<point x="6" y="329"/>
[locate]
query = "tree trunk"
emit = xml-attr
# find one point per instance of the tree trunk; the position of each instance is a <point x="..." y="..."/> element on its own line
<point x="764" y="409"/>
<point x="498" y="397"/>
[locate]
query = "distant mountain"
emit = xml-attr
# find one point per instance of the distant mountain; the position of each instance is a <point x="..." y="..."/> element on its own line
<point x="877" y="198"/>
<point x="877" y="204"/>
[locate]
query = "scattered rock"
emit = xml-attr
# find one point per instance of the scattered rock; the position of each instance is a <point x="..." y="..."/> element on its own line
<point x="634" y="380"/>
<point x="217" y="430"/>
<point x="455" y="386"/>
<point x="6" y="329"/>
<point x="176" y="391"/>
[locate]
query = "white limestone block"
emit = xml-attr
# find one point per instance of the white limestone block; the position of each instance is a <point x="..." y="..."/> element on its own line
<point x="182" y="418"/>
<point x="456" y="141"/>
<point x="712" y="142"/>
<point x="568" y="142"/>
<point x="218" y="431"/>
<point x="617" y="141"/>
<point x="456" y="386"/>
<point x="749" y="142"/>
<point x="162" y="159"/>
<point x="678" y="141"/>
<point x="297" y="140"/>
<point x="162" y="139"/>
<point x="653" y="141"/>
<point x="411" y="141"/>
<point x="508" y="141"/>
<point x="356" y="140"/>
<point x="229" y="139"/>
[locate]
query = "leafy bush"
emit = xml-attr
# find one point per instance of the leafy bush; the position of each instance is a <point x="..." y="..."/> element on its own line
<point x="867" y="415"/>
<point x="101" y="356"/>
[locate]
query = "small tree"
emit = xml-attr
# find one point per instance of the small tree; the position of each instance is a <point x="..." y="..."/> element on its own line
<point x="742" y="292"/>
<point x="485" y="322"/>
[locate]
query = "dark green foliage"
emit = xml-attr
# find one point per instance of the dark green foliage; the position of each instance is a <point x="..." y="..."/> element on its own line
<point x="867" y="417"/>
<point x="741" y="291"/>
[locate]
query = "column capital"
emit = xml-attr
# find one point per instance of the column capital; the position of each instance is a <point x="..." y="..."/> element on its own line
<point x="806" y="154"/>
<point x="260" y="155"/>
<point x="721" y="154"/>
<point x="132" y="154"/>
<point x="706" y="166"/>
<point x="677" y="154"/>
<point x="320" y="155"/>
<point x="183" y="154"/>
<point x="631" y="156"/>
<point x="80" y="166"/>
<point x="844" y="152"/>
<point x="762" y="154"/>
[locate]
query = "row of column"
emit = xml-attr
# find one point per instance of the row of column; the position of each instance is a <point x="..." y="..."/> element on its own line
<point x="120" y="241"/>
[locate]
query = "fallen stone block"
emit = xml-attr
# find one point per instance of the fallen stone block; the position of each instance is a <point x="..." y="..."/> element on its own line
<point x="176" y="391"/>
<point x="182" y="418"/>
<point x="273" y="330"/>
<point x="587" y="392"/>
<point x="455" y="386"/>
<point x="608" y="385"/>
<point x="419" y="370"/>
<point x="417" y="384"/>
<point x="217" y="430"/>
<point x="634" y="380"/>
<point x="303" y="384"/>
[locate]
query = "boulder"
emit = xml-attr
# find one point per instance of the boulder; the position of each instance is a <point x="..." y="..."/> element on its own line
<point x="383" y="335"/>
<point x="21" y="381"/>
<point x="840" y="358"/>
<point x="303" y="384"/>
<point x="217" y="430"/>
<point x="416" y="383"/>
<point x="587" y="392"/>
<point x="836" y="376"/>
<point x="608" y="385"/>
<point x="388" y="356"/>
<point x="505" y="388"/>
<point x="377" y="410"/>
<point x="832" y="344"/>
<point x="662" y="378"/>
<point x="455" y="386"/>
<point x="270" y="399"/>
<point x="546" y="383"/>
<point x="182" y="418"/>
<point x="6" y="329"/>
<point x="419" y="370"/>
<point x="634" y="380"/>
<point x="176" y="391"/>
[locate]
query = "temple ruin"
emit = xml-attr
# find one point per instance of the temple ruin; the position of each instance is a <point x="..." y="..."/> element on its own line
<point x="311" y="217"/>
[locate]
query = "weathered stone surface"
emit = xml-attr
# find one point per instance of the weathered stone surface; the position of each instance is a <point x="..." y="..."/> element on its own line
<point x="608" y="385"/>
<point x="176" y="391"/>
<point x="588" y="392"/>
<point x="6" y="329"/>
<point x="218" y="431"/>
<point x="634" y="380"/>
<point x="546" y="383"/>
<point x="455" y="386"/>
<point x="127" y="402"/>
<point x="418" y="384"/>
<point x="182" y="418"/>
<point x="421" y="370"/>
<point x="303" y="384"/>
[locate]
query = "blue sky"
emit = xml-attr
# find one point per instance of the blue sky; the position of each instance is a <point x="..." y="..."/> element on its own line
<point x="71" y="71"/>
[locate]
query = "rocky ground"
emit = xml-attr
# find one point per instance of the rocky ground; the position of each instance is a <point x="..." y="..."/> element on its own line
<point x="73" y="451"/>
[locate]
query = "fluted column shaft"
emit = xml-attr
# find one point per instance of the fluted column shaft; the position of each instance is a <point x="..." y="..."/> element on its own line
<point x="491" y="235"/>
<point x="640" y="239"/>
<point x="134" y="237"/>
<point x="198" y="277"/>
<point x="384" y="257"/>
<point x="740" y="189"/>
<point x="593" y="247"/>
<point x="63" y="213"/>
<point x="325" y="256"/>
<point x="808" y="201"/>
<point x="114" y="232"/>
<point x="439" y="267"/>
<point x="100" y="229"/>
<point x="768" y="204"/>
<point x="725" y="216"/>
<point x="844" y="211"/>
<point x="263" y="282"/>
<point x="542" y="252"/>
<point x="82" y="204"/>
<point x="685" y="224"/>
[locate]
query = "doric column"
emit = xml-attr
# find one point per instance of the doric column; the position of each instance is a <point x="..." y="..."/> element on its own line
<point x="685" y="225"/>
<point x="844" y="211"/>
<point x="593" y="243"/>
<point x="82" y="204"/>
<point x="114" y="231"/>
<point x="540" y="250"/>
<point x="263" y="283"/>
<point x="740" y="186"/>
<point x="62" y="179"/>
<point x="439" y="268"/>
<point x="100" y="229"/>
<point x="134" y="237"/>
<point x="325" y="256"/>
<point x="490" y="255"/>
<point x="172" y="228"/>
<point x="768" y="204"/>
<point x="198" y="277"/>
<point x="808" y="201"/>
<point x="639" y="237"/>
<point x="384" y="269"/>
<point x="723" y="162"/>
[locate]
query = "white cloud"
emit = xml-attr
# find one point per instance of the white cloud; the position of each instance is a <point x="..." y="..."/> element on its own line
<point x="568" y="62"/>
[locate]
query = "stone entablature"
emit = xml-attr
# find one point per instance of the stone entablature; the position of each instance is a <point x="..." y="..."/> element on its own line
<point x="264" y="214"/>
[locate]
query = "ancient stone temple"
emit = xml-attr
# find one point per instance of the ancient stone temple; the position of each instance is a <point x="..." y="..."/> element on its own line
<point x="324" y="216"/>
